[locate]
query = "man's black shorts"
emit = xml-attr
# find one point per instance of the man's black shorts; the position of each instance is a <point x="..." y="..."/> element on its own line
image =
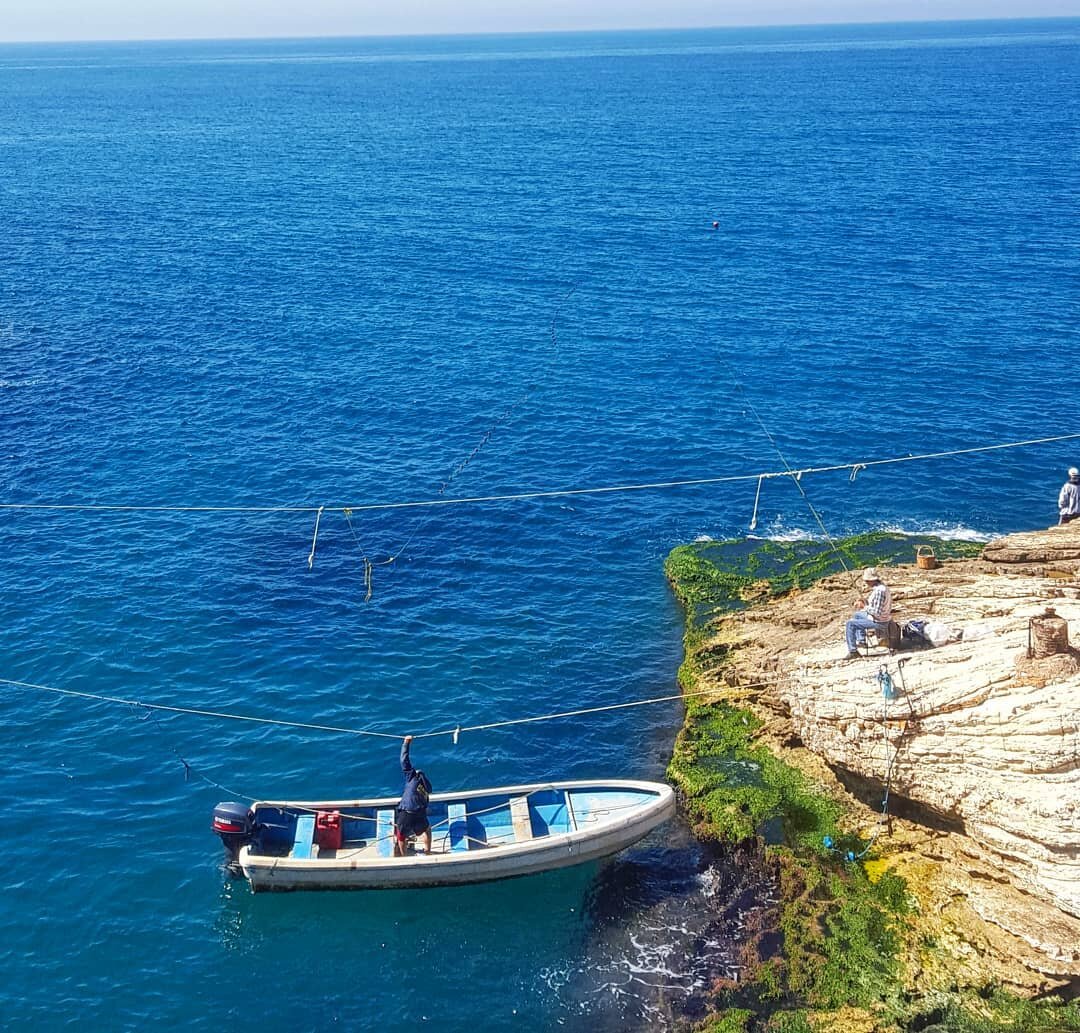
<point x="410" y="823"/>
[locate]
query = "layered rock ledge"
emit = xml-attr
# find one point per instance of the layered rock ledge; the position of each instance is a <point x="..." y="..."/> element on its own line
<point x="980" y="751"/>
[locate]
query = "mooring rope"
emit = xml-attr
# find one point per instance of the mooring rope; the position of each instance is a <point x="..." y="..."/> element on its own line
<point x="576" y="713"/>
<point x="197" y="712"/>
<point x="794" y="474"/>
<point x="454" y="733"/>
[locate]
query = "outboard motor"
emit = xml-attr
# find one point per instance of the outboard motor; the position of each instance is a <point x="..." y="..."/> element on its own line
<point x="236" y="826"/>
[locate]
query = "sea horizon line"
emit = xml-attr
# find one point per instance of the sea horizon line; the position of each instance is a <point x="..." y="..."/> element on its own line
<point x="537" y="32"/>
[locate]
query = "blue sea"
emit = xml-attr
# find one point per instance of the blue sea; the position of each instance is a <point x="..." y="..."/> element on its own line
<point x="304" y="273"/>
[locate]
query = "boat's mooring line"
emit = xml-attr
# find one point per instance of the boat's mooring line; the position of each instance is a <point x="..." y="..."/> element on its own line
<point x="197" y="712"/>
<point x="454" y="733"/>
<point x="576" y="713"/>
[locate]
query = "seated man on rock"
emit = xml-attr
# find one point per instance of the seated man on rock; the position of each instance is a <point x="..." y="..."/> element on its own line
<point x="871" y="614"/>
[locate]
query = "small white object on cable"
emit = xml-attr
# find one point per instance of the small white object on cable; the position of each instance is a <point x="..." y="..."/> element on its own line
<point x="315" y="538"/>
<point x="757" y="496"/>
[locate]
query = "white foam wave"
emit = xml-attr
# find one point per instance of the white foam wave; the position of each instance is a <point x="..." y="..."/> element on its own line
<point x="957" y="532"/>
<point x="938" y="529"/>
<point x="794" y="535"/>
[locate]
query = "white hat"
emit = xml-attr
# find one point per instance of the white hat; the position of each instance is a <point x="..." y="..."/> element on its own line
<point x="871" y="574"/>
<point x="1073" y="472"/>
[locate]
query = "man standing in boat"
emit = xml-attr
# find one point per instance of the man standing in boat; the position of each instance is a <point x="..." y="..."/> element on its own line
<point x="411" y="818"/>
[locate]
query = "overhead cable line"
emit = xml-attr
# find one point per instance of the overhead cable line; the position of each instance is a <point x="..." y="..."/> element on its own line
<point x="307" y="726"/>
<point x="795" y="474"/>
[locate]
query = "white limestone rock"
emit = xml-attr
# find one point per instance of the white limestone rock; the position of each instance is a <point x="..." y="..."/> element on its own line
<point x="980" y="736"/>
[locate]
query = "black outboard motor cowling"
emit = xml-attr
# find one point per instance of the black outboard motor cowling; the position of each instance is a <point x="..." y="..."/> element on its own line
<point x="236" y="826"/>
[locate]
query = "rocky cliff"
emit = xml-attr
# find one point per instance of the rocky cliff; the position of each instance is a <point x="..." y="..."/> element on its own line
<point x="979" y="751"/>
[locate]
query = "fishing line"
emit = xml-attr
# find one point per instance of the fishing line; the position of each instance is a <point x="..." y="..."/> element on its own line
<point x="795" y="475"/>
<point x="797" y="480"/>
<point x="189" y="769"/>
<point x="460" y="468"/>
<point x="369" y="565"/>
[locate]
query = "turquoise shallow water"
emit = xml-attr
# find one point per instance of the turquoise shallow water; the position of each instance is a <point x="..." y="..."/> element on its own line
<point x="319" y="273"/>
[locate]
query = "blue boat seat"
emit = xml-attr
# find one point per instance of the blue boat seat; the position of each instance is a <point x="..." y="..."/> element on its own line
<point x="457" y="819"/>
<point x="571" y="813"/>
<point x="519" y="815"/>
<point x="384" y="833"/>
<point x="304" y="840"/>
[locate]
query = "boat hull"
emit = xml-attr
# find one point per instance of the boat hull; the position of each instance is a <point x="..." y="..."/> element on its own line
<point x="594" y="831"/>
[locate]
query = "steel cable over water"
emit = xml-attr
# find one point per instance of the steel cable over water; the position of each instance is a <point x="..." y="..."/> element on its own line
<point x="454" y="733"/>
<point x="854" y="467"/>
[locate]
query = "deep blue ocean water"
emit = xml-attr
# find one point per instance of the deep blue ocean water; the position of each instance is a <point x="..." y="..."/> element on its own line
<point x="341" y="272"/>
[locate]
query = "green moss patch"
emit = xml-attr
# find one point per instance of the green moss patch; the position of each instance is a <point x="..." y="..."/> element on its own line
<point x="712" y="577"/>
<point x="994" y="1011"/>
<point x="841" y="935"/>
<point x="733" y="787"/>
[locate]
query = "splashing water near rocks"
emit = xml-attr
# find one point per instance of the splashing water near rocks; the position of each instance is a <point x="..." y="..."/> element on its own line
<point x="668" y="922"/>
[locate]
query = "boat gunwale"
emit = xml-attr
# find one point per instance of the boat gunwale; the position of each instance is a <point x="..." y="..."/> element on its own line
<point x="500" y="852"/>
<point x="512" y="790"/>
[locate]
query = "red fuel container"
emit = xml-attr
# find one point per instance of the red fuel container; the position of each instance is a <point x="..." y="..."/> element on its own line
<point x="328" y="829"/>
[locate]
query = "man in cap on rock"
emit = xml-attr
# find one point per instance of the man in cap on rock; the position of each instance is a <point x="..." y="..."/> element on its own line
<point x="872" y="613"/>
<point x="1069" y="498"/>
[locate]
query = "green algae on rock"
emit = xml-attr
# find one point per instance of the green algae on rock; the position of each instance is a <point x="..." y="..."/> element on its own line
<point x="715" y="576"/>
<point x="734" y="788"/>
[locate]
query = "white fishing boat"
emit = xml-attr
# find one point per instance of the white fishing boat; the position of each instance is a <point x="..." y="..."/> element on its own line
<point x="477" y="836"/>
